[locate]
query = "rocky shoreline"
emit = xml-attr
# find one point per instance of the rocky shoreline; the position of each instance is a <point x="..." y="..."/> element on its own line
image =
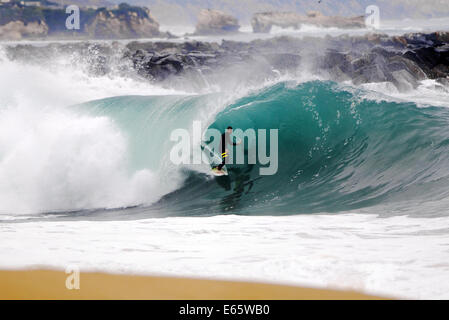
<point x="400" y="60"/>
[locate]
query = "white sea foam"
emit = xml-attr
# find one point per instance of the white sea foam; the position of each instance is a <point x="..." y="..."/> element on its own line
<point x="54" y="159"/>
<point x="428" y="93"/>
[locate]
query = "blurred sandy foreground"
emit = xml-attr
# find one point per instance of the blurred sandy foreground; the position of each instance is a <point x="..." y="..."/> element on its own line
<point x="47" y="284"/>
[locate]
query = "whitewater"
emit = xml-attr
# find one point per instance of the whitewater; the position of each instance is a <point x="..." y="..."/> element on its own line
<point x="359" y="202"/>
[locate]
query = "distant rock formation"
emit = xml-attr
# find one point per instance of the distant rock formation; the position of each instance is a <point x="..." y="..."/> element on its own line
<point x="212" y="22"/>
<point x="124" y="22"/>
<point x="19" y="21"/>
<point x="16" y="30"/>
<point x="262" y="22"/>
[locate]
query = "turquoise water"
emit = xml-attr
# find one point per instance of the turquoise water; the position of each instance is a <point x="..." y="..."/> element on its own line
<point x="337" y="151"/>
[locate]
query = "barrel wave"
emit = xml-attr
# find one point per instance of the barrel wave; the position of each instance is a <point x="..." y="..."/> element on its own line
<point x="338" y="151"/>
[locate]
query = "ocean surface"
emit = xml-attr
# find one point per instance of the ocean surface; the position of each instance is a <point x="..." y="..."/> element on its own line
<point x="360" y="199"/>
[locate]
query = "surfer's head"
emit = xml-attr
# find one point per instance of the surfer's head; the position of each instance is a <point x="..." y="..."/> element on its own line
<point x="229" y="129"/>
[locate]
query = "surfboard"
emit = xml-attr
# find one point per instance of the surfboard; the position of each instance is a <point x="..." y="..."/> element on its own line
<point x="219" y="173"/>
<point x="215" y="160"/>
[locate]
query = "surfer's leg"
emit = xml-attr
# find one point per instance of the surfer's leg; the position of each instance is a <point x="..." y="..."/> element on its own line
<point x="220" y="166"/>
<point x="223" y="155"/>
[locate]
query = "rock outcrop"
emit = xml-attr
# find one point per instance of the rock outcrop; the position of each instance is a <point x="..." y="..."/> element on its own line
<point x="212" y="22"/>
<point x="17" y="30"/>
<point x="263" y="22"/>
<point x="402" y="61"/>
<point x="124" y="22"/>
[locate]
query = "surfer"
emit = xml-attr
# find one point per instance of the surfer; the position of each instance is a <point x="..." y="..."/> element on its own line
<point x="226" y="140"/>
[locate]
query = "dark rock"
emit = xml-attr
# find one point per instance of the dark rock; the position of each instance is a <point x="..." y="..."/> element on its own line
<point x="401" y="60"/>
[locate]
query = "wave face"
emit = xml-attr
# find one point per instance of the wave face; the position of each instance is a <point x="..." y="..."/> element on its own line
<point x="338" y="151"/>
